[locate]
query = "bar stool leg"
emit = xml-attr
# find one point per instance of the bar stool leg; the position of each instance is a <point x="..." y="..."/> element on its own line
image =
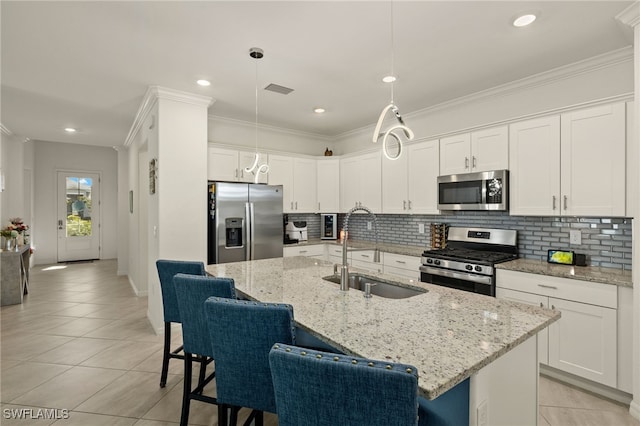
<point x="165" y="354"/>
<point x="186" y="392"/>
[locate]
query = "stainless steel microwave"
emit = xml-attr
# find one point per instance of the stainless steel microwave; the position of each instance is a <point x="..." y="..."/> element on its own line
<point x="474" y="191"/>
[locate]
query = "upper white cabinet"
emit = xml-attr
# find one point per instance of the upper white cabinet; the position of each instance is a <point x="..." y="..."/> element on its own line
<point x="534" y="172"/>
<point x="328" y="185"/>
<point x="484" y="150"/>
<point x="592" y="150"/>
<point x="361" y="179"/>
<point x="573" y="164"/>
<point x="409" y="183"/>
<point x="228" y="165"/>
<point x="298" y="179"/>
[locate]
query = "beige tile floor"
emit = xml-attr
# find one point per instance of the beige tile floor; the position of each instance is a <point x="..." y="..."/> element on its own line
<point x="81" y="342"/>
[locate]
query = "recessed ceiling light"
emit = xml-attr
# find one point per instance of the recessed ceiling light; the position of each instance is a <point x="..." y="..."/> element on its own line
<point x="70" y="130"/>
<point x="204" y="83"/>
<point x="524" y="20"/>
<point x="389" y="78"/>
<point x="319" y="110"/>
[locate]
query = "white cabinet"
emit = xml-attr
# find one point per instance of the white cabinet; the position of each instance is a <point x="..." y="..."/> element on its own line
<point x="298" y="178"/>
<point x="593" y="152"/>
<point x="361" y="180"/>
<point x="584" y="341"/>
<point x="334" y="254"/>
<point x="569" y="165"/>
<point x="484" y="150"/>
<point x="328" y="185"/>
<point x="534" y="173"/>
<point x="402" y="265"/>
<point x="228" y="165"/>
<point x="315" y="250"/>
<point x="364" y="260"/>
<point x="409" y="183"/>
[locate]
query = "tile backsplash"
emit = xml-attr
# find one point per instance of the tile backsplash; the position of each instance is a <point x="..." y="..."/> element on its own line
<point x="605" y="241"/>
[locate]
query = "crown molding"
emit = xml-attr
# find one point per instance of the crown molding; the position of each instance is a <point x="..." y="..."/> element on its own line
<point x="151" y="97"/>
<point x="631" y="15"/>
<point x="606" y="60"/>
<point x="252" y="125"/>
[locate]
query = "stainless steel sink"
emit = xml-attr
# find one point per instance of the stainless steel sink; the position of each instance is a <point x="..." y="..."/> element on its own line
<point x="378" y="287"/>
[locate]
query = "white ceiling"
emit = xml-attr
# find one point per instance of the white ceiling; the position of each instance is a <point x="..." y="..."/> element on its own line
<point x="88" y="64"/>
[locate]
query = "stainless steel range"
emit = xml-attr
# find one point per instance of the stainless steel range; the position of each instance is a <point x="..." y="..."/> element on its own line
<point x="467" y="262"/>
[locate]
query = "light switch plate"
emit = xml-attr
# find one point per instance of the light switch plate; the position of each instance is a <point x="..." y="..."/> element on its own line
<point x="421" y="228"/>
<point x="575" y="236"/>
<point x="369" y="226"/>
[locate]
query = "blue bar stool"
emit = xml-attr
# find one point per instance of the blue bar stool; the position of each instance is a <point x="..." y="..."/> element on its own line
<point x="315" y="388"/>
<point x="191" y="293"/>
<point x="241" y="333"/>
<point x="167" y="269"/>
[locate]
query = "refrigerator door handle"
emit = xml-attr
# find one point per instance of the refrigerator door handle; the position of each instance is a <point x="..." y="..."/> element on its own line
<point x="248" y="228"/>
<point x="251" y="231"/>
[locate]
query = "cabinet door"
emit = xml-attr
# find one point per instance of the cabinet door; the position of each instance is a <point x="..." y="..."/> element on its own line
<point x="281" y="173"/>
<point x="593" y="161"/>
<point x="328" y="185"/>
<point x="394" y="185"/>
<point x="455" y="153"/>
<point x="349" y="183"/>
<point x="583" y="341"/>
<point x="534" y="167"/>
<point x="371" y="181"/>
<point x="245" y="159"/>
<point x="490" y="149"/>
<point x="304" y="185"/>
<point x="423" y="164"/>
<point x="222" y="164"/>
<point x="530" y="299"/>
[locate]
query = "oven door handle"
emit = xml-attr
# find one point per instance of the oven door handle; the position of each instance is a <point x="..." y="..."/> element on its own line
<point x="482" y="279"/>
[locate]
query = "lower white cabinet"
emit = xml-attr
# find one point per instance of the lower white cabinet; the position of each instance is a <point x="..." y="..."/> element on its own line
<point x="364" y="260"/>
<point x="584" y="341"/>
<point x="334" y="254"/>
<point x="402" y="266"/>
<point x="315" y="250"/>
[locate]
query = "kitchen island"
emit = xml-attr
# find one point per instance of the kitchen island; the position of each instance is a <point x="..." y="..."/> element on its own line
<point x="449" y="335"/>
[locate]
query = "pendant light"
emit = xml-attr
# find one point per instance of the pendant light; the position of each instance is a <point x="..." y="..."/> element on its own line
<point x="391" y="131"/>
<point x="257" y="169"/>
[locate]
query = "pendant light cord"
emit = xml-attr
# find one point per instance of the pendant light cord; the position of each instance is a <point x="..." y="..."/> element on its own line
<point x="256" y="95"/>
<point x="393" y="72"/>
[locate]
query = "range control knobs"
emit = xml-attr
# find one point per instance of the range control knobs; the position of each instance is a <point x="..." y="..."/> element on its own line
<point x="469" y="268"/>
<point x="429" y="260"/>
<point x="437" y="262"/>
<point x="478" y="268"/>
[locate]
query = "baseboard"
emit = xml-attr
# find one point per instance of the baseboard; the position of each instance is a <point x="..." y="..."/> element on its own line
<point x="135" y="289"/>
<point x="634" y="409"/>
<point x="587" y="385"/>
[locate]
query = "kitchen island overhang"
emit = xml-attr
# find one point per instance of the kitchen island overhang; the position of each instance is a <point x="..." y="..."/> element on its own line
<point x="448" y="335"/>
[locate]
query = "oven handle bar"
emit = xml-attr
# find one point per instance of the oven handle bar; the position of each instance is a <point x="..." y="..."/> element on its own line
<point x="457" y="275"/>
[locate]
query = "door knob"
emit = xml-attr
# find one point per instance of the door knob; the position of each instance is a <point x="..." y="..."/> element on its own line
<point x="60" y="224"/>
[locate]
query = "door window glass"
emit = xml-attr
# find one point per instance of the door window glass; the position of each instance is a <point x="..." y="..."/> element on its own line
<point x="79" y="206"/>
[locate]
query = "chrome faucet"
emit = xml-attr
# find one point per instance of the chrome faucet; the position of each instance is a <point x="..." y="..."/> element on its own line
<point x="344" y="275"/>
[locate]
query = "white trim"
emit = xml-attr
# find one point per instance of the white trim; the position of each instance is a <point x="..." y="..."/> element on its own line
<point x="634" y="409"/>
<point x="135" y="289"/>
<point x="595" y="63"/>
<point x="631" y="15"/>
<point x="5" y="130"/>
<point x="588" y="385"/>
<point x="151" y="97"/>
<point x="284" y="130"/>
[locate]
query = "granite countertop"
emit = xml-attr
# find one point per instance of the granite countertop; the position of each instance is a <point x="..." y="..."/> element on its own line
<point x="612" y="276"/>
<point x="447" y="334"/>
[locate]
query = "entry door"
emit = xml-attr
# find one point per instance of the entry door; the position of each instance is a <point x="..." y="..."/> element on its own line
<point x="78" y="216"/>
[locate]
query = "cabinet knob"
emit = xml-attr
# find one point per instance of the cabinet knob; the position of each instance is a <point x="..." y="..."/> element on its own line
<point x="554" y="202"/>
<point x="409" y="204"/>
<point x="541" y="305"/>
<point x="473" y="164"/>
<point x="466" y="162"/>
<point x="565" y="202"/>
<point x="404" y="205"/>
<point x="296" y="205"/>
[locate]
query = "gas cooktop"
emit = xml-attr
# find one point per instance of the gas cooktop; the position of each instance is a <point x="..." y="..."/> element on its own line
<point x="462" y="254"/>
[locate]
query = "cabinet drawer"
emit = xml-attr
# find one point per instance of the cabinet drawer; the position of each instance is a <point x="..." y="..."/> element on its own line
<point x="367" y="266"/>
<point x="561" y="288"/>
<point x="365" y="256"/>
<point x="410" y="263"/>
<point x="313" y="250"/>
<point x="405" y="273"/>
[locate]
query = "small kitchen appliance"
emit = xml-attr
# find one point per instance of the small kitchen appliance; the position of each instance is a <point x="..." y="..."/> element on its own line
<point x="474" y="191"/>
<point x="297" y="230"/>
<point x="467" y="262"/>
<point x="329" y="226"/>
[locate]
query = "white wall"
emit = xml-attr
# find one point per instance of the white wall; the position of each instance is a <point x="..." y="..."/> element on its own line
<point x="598" y="78"/>
<point x="51" y="157"/>
<point x="242" y="134"/>
<point x="123" y="211"/>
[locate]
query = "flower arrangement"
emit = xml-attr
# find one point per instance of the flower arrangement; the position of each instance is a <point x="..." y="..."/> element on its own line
<point x="8" y="233"/>
<point x="17" y="224"/>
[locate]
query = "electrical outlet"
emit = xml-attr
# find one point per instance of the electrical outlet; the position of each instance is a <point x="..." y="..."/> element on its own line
<point x="421" y="228"/>
<point x="481" y="414"/>
<point x="575" y="237"/>
<point x="369" y="226"/>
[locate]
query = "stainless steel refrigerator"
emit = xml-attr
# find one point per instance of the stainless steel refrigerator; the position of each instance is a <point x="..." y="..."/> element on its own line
<point x="245" y="222"/>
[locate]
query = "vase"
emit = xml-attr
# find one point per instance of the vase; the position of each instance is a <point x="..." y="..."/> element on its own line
<point x="8" y="243"/>
<point x="20" y="239"/>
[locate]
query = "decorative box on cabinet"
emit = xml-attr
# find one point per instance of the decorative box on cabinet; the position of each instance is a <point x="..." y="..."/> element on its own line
<point x="584" y="341"/>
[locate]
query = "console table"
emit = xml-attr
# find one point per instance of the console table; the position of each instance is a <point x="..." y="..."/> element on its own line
<point x="14" y="275"/>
